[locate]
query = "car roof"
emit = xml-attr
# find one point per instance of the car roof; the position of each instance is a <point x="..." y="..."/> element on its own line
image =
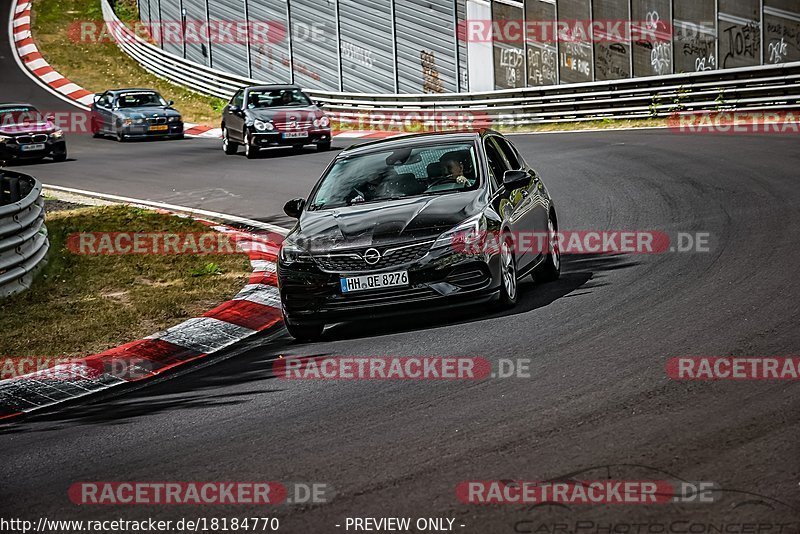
<point x="401" y="140"/>
<point x="132" y="90"/>
<point x="15" y="104"/>
<point x="271" y="87"/>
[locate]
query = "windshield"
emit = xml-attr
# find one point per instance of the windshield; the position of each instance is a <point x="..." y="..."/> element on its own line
<point x="277" y="98"/>
<point x="135" y="100"/>
<point x="399" y="173"/>
<point x="20" y="115"/>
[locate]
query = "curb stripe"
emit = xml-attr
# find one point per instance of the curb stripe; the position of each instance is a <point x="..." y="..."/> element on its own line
<point x="256" y="308"/>
<point x="246" y="314"/>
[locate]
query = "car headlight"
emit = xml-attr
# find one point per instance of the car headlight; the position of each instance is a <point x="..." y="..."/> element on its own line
<point x="324" y="121"/>
<point x="58" y="134"/>
<point x="140" y="120"/>
<point x="262" y="126"/>
<point x="5" y="138"/>
<point x="292" y="252"/>
<point x="466" y="236"/>
<point x="175" y="118"/>
<point x="127" y="122"/>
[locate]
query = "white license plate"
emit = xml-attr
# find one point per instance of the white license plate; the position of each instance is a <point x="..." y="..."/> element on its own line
<point x="374" y="281"/>
<point x="27" y="148"/>
<point x="294" y="135"/>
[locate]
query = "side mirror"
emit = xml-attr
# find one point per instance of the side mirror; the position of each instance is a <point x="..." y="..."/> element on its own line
<point x="170" y="102"/>
<point x="234" y="108"/>
<point x="294" y="207"/>
<point x="50" y="117"/>
<point x="97" y="96"/>
<point x="319" y="104"/>
<point x="516" y="180"/>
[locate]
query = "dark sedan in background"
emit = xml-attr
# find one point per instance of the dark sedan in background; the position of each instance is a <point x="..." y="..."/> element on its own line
<point x="273" y="115"/>
<point x="390" y="225"/>
<point x="28" y="134"/>
<point x="135" y="114"/>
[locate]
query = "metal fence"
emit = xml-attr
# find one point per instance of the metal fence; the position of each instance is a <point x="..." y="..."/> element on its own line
<point x="23" y="235"/>
<point x="754" y="88"/>
<point x="439" y="46"/>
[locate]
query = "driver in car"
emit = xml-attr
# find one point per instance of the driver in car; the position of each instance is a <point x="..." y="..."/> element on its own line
<point x="286" y="98"/>
<point x="455" y="168"/>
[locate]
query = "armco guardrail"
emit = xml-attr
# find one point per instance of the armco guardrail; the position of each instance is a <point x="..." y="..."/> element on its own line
<point x="753" y="88"/>
<point x="23" y="235"/>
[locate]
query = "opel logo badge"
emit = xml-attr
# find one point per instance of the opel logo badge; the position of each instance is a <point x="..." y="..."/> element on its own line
<point x="372" y="256"/>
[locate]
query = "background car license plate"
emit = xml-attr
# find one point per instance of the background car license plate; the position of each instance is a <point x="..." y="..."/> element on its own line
<point x="294" y="135"/>
<point x="374" y="281"/>
<point x="159" y="128"/>
<point x="37" y="146"/>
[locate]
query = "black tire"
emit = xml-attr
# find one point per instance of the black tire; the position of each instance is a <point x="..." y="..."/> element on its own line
<point x="250" y="151"/>
<point x="61" y="157"/>
<point x="509" y="282"/>
<point x="97" y="135"/>
<point x="229" y="147"/>
<point x="178" y="136"/>
<point x="305" y="332"/>
<point x="323" y="147"/>
<point x="297" y="148"/>
<point x="550" y="269"/>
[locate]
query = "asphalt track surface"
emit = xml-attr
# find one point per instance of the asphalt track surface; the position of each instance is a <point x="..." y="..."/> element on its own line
<point x="598" y="404"/>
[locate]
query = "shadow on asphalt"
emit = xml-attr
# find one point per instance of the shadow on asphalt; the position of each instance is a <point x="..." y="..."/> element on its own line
<point x="285" y="152"/>
<point x="34" y="162"/>
<point x="577" y="272"/>
<point x="253" y="362"/>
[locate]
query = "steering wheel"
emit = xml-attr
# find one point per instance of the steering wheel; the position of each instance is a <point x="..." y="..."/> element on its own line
<point x="442" y="180"/>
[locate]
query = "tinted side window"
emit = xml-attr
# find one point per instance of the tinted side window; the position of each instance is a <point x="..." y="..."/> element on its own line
<point x="497" y="164"/>
<point x="238" y="99"/>
<point x="509" y="153"/>
<point x="105" y="101"/>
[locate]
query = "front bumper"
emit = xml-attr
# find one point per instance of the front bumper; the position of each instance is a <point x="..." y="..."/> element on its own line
<point x="142" y="131"/>
<point x="278" y="138"/>
<point x="440" y="280"/>
<point x="14" y="151"/>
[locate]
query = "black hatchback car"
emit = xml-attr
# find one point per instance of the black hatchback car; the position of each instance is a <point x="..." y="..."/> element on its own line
<point x="28" y="134"/>
<point x="391" y="227"/>
<point x="263" y="116"/>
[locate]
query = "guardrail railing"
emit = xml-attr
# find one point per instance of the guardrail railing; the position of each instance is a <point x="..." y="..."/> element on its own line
<point x="752" y="88"/>
<point x="23" y="235"/>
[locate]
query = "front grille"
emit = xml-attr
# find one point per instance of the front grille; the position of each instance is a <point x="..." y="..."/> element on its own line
<point x="392" y="295"/>
<point x="156" y="120"/>
<point x="301" y="125"/>
<point x="353" y="260"/>
<point x="27" y="139"/>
